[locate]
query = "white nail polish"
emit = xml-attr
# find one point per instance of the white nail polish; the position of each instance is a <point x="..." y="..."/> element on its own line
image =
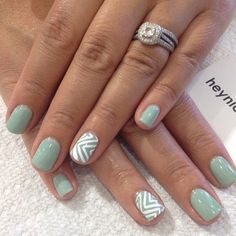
<point x="84" y="147"/>
<point x="148" y="205"/>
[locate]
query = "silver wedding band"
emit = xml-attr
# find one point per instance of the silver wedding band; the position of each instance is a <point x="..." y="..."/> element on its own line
<point x="153" y="34"/>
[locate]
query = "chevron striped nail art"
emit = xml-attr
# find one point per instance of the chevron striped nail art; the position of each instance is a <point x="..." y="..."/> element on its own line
<point x="84" y="148"/>
<point x="148" y="205"/>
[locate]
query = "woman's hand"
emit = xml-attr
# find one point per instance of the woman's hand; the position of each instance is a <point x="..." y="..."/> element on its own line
<point x="157" y="149"/>
<point x="85" y="65"/>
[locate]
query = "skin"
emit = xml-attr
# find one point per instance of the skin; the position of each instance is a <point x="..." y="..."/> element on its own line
<point x="186" y="169"/>
<point x="85" y="89"/>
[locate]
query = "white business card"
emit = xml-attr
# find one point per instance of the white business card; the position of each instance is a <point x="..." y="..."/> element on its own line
<point x="214" y="92"/>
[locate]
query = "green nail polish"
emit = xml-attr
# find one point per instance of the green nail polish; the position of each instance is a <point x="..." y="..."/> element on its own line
<point x="19" y="119"/>
<point x="62" y="184"/>
<point x="150" y="115"/>
<point x="205" y="205"/>
<point x="46" y="154"/>
<point x="223" y="171"/>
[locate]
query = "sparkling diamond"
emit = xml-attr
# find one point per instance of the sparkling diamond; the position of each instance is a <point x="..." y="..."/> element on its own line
<point x="149" y="32"/>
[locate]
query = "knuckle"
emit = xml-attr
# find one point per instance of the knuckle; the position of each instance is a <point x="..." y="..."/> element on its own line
<point x="178" y="171"/>
<point x="200" y="140"/>
<point x="221" y="11"/>
<point x="167" y="90"/>
<point x="35" y="88"/>
<point x="121" y="176"/>
<point x="184" y="100"/>
<point x="190" y="58"/>
<point x="146" y="63"/>
<point x="223" y="5"/>
<point x="58" y="32"/>
<point x="96" y="54"/>
<point x="64" y="119"/>
<point x="184" y="106"/>
<point x="8" y="74"/>
<point x="108" y="114"/>
<point x="8" y="83"/>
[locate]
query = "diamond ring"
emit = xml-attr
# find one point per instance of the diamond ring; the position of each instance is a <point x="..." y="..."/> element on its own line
<point x="153" y="34"/>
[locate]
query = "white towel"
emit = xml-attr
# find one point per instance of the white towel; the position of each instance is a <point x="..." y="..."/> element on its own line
<point x="27" y="208"/>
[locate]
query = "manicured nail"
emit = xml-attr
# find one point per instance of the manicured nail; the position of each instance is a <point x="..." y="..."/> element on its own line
<point x="84" y="148"/>
<point x="62" y="184"/>
<point x="205" y="205"/>
<point x="150" y="115"/>
<point x="46" y="154"/>
<point x="223" y="171"/>
<point x="19" y="119"/>
<point x="148" y="205"/>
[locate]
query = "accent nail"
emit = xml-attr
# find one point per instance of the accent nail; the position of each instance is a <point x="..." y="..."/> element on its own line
<point x="223" y="171"/>
<point x="205" y="205"/>
<point x="19" y="119"/>
<point x="84" y="147"/>
<point x="62" y="184"/>
<point x="46" y="154"/>
<point x="150" y="115"/>
<point x="148" y="205"/>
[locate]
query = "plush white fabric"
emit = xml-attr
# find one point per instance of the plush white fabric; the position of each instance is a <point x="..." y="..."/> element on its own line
<point x="27" y="208"/>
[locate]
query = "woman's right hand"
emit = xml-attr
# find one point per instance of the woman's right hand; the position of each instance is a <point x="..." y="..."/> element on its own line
<point x="183" y="171"/>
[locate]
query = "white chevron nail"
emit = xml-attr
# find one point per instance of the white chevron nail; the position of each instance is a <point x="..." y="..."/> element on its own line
<point x="84" y="147"/>
<point x="148" y="205"/>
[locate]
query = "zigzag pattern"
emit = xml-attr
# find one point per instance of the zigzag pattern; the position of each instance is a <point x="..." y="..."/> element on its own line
<point x="148" y="205"/>
<point x="85" y="147"/>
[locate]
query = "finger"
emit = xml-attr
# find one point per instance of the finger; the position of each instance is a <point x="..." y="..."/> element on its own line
<point x="52" y="52"/>
<point x="62" y="183"/>
<point x="169" y="164"/>
<point x="201" y="143"/>
<point x="194" y="45"/>
<point x="85" y="79"/>
<point x="129" y="188"/>
<point x="135" y="74"/>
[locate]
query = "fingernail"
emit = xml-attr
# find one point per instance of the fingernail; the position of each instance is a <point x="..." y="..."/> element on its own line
<point x="205" y="205"/>
<point x="46" y="154"/>
<point x="150" y="115"/>
<point x="148" y="205"/>
<point x="19" y="119"/>
<point x="84" y="147"/>
<point x="223" y="171"/>
<point x="62" y="184"/>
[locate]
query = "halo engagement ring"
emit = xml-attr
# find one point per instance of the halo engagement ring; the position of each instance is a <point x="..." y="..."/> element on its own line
<point x="153" y="34"/>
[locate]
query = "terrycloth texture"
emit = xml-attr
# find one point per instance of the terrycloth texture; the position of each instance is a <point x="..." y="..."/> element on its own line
<point x="27" y="208"/>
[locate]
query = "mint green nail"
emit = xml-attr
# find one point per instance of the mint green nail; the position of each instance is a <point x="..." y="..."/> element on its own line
<point x="46" y="154"/>
<point x="62" y="184"/>
<point x="150" y="115"/>
<point x="223" y="171"/>
<point x="205" y="205"/>
<point x="19" y="119"/>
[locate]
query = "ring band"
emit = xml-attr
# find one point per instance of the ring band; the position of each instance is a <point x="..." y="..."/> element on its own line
<point x="153" y="34"/>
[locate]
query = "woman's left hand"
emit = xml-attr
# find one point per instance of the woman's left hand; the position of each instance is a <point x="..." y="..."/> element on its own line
<point x="103" y="74"/>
